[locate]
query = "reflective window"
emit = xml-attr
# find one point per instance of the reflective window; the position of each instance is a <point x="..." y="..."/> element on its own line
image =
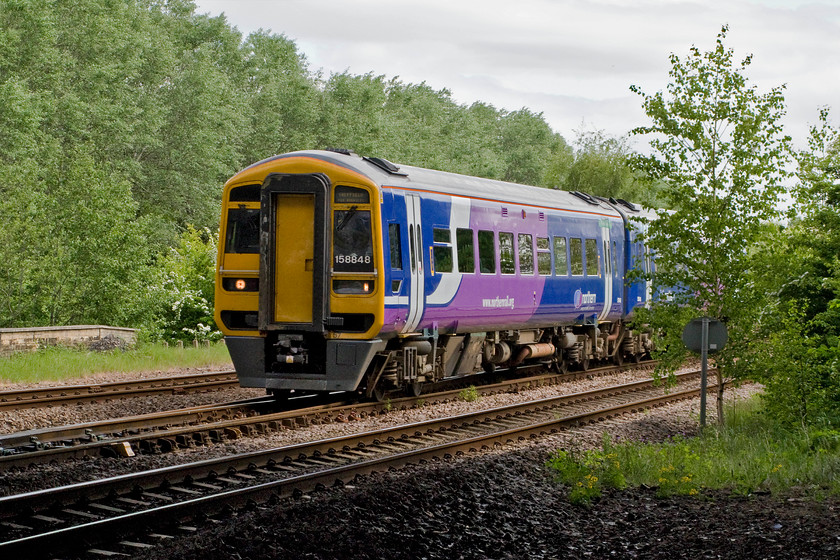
<point x="561" y="264"/>
<point x="443" y="259"/>
<point x="486" y="252"/>
<point x="396" y="246"/>
<point x="442" y="254"/>
<point x="506" y="260"/>
<point x="591" y="257"/>
<point x="466" y="252"/>
<point x="352" y="241"/>
<point x="576" y="256"/>
<point x="526" y="253"/>
<point x="243" y="231"/>
<point x="543" y="256"/>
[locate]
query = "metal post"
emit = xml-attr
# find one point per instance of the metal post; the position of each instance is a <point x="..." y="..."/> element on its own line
<point x="704" y="358"/>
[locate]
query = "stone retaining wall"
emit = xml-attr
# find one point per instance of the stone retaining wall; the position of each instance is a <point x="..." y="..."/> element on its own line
<point x="28" y="340"/>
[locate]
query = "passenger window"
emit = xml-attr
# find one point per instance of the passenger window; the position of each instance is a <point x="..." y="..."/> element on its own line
<point x="526" y="254"/>
<point x="543" y="256"/>
<point x="486" y="252"/>
<point x="591" y="257"/>
<point x="443" y="259"/>
<point x="561" y="263"/>
<point x="443" y="254"/>
<point x="466" y="252"/>
<point x="506" y="260"/>
<point x="576" y="256"/>
<point x="396" y="246"/>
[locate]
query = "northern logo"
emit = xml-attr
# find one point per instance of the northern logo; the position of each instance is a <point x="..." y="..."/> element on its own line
<point x="582" y="299"/>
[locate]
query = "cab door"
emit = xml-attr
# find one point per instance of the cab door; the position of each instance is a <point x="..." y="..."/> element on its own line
<point x="293" y="263"/>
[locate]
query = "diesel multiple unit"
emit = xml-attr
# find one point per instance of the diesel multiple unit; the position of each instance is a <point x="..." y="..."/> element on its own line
<point x="345" y="273"/>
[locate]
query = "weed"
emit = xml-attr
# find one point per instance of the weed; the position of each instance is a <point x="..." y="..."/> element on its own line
<point x="750" y="453"/>
<point x="470" y="394"/>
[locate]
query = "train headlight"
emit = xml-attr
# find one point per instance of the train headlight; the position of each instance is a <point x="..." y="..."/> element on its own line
<point x="241" y="284"/>
<point x="353" y="286"/>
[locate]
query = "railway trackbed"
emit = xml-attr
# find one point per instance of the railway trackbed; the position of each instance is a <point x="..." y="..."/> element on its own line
<point x="73" y="394"/>
<point x="135" y="511"/>
<point x="179" y="429"/>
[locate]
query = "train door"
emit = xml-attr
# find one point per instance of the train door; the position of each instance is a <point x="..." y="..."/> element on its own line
<point x="607" y="270"/>
<point x="416" y="299"/>
<point x="292" y="252"/>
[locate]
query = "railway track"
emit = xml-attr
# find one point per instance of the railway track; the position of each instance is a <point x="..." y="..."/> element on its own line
<point x="168" y="431"/>
<point x="74" y="394"/>
<point x="157" y="502"/>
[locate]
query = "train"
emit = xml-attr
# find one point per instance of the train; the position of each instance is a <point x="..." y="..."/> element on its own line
<point x="338" y="272"/>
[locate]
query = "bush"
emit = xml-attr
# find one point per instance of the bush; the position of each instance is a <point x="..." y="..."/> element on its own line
<point x="184" y="289"/>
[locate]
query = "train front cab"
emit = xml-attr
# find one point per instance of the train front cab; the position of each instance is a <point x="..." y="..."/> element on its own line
<point x="319" y="305"/>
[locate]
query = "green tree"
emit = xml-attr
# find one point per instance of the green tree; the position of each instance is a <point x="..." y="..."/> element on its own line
<point x="420" y="118"/>
<point x="719" y="150"/>
<point x="601" y="166"/>
<point x="283" y="97"/>
<point x="801" y="354"/>
<point x="352" y="114"/>
<point x="525" y="147"/>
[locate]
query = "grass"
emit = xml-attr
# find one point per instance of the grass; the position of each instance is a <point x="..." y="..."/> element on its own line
<point x="67" y="364"/>
<point x="748" y="455"/>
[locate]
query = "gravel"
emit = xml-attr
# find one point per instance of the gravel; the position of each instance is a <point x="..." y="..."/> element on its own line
<point x="499" y="504"/>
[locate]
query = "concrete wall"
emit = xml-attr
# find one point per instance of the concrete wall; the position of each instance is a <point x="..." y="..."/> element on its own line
<point x="22" y="340"/>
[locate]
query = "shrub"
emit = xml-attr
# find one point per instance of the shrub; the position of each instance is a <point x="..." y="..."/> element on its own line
<point x="184" y="290"/>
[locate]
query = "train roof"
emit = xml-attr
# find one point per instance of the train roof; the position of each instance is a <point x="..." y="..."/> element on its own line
<point x="387" y="174"/>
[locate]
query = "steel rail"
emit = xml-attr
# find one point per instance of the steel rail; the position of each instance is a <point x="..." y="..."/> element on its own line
<point x="152" y="478"/>
<point x="331" y="475"/>
<point x="64" y="394"/>
<point x="191" y="428"/>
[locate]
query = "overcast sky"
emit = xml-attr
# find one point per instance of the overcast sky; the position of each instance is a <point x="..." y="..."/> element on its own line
<point x="572" y="60"/>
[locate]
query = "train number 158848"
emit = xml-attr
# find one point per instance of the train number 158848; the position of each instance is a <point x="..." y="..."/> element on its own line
<point x="352" y="259"/>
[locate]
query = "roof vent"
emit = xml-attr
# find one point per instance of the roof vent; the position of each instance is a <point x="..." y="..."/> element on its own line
<point x="385" y="165"/>
<point x="585" y="197"/>
<point x="343" y="151"/>
<point x="629" y="205"/>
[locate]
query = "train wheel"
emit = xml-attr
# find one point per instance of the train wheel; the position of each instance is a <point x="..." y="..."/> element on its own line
<point x="584" y="364"/>
<point x="379" y="394"/>
<point x="636" y="358"/>
<point x="618" y="359"/>
<point x="414" y="389"/>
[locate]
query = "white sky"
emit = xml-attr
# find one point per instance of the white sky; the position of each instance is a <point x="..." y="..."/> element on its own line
<point x="572" y="60"/>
